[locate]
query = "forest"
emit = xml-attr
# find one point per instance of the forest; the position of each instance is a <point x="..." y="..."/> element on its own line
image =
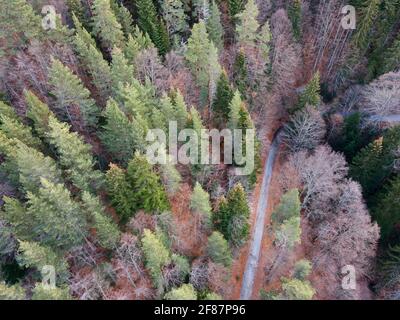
<point x="84" y="213"/>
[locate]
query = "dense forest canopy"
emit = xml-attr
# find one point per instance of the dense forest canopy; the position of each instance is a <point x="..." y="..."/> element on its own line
<point x="84" y="213"/>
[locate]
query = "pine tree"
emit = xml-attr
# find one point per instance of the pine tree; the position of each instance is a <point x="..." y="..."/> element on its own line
<point x="240" y="72"/>
<point x="200" y="201"/>
<point x="69" y="91"/>
<point x="175" y="19"/>
<point x="106" y="230"/>
<point x="295" y="16"/>
<point x="223" y="98"/>
<point x="311" y="94"/>
<point x="120" y="193"/>
<point x="121" y="71"/>
<point x="235" y="7"/>
<point x="150" y="24"/>
<point x="92" y="60"/>
<point x="74" y="155"/>
<point x="34" y="255"/>
<point x="214" y="27"/>
<point x="32" y="166"/>
<point x="120" y="136"/>
<point x="212" y="296"/>
<point x="38" y="112"/>
<point x="45" y="292"/>
<point x="14" y="292"/>
<point x="387" y="210"/>
<point x="368" y="14"/>
<point x="247" y="25"/>
<point x="58" y="220"/>
<point x="288" y="207"/>
<point x="218" y="249"/>
<point x="156" y="256"/>
<point x="106" y="26"/>
<point x="18" y="24"/>
<point x="149" y="193"/>
<point x="184" y="292"/>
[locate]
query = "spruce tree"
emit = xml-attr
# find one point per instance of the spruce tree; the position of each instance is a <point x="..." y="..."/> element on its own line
<point x="223" y="98"/>
<point x="58" y="220"/>
<point x="15" y="129"/>
<point x="368" y="14"/>
<point x="32" y="166"/>
<point x="120" y="193"/>
<point x="149" y="193"/>
<point x="136" y="42"/>
<point x="214" y="27"/>
<point x="106" y="230"/>
<point x="197" y="56"/>
<point x="231" y="218"/>
<point x="350" y="141"/>
<point x="175" y="19"/>
<point x="74" y="155"/>
<point x="311" y="94"/>
<point x="92" y="60"/>
<point x="150" y="24"/>
<point x="121" y="70"/>
<point x="387" y="210"/>
<point x="247" y="25"/>
<point x="15" y="213"/>
<point x="169" y="174"/>
<point x="218" y="249"/>
<point x="264" y="41"/>
<point x="121" y="136"/>
<point x="391" y="59"/>
<point x="34" y="255"/>
<point x="295" y="16"/>
<point x="106" y="26"/>
<point x="123" y="16"/>
<point x="69" y="91"/>
<point x="235" y="106"/>
<point x="18" y="24"/>
<point x="38" y="112"/>
<point x="374" y="163"/>
<point x="235" y="7"/>
<point x="240" y="72"/>
<point x="200" y="201"/>
<point x="181" y="114"/>
<point x="156" y="256"/>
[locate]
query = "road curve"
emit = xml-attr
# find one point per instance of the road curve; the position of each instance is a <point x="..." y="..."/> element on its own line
<point x="255" y="246"/>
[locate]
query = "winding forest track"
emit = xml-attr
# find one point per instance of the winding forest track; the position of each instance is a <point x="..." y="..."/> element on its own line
<point x="255" y="246"/>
